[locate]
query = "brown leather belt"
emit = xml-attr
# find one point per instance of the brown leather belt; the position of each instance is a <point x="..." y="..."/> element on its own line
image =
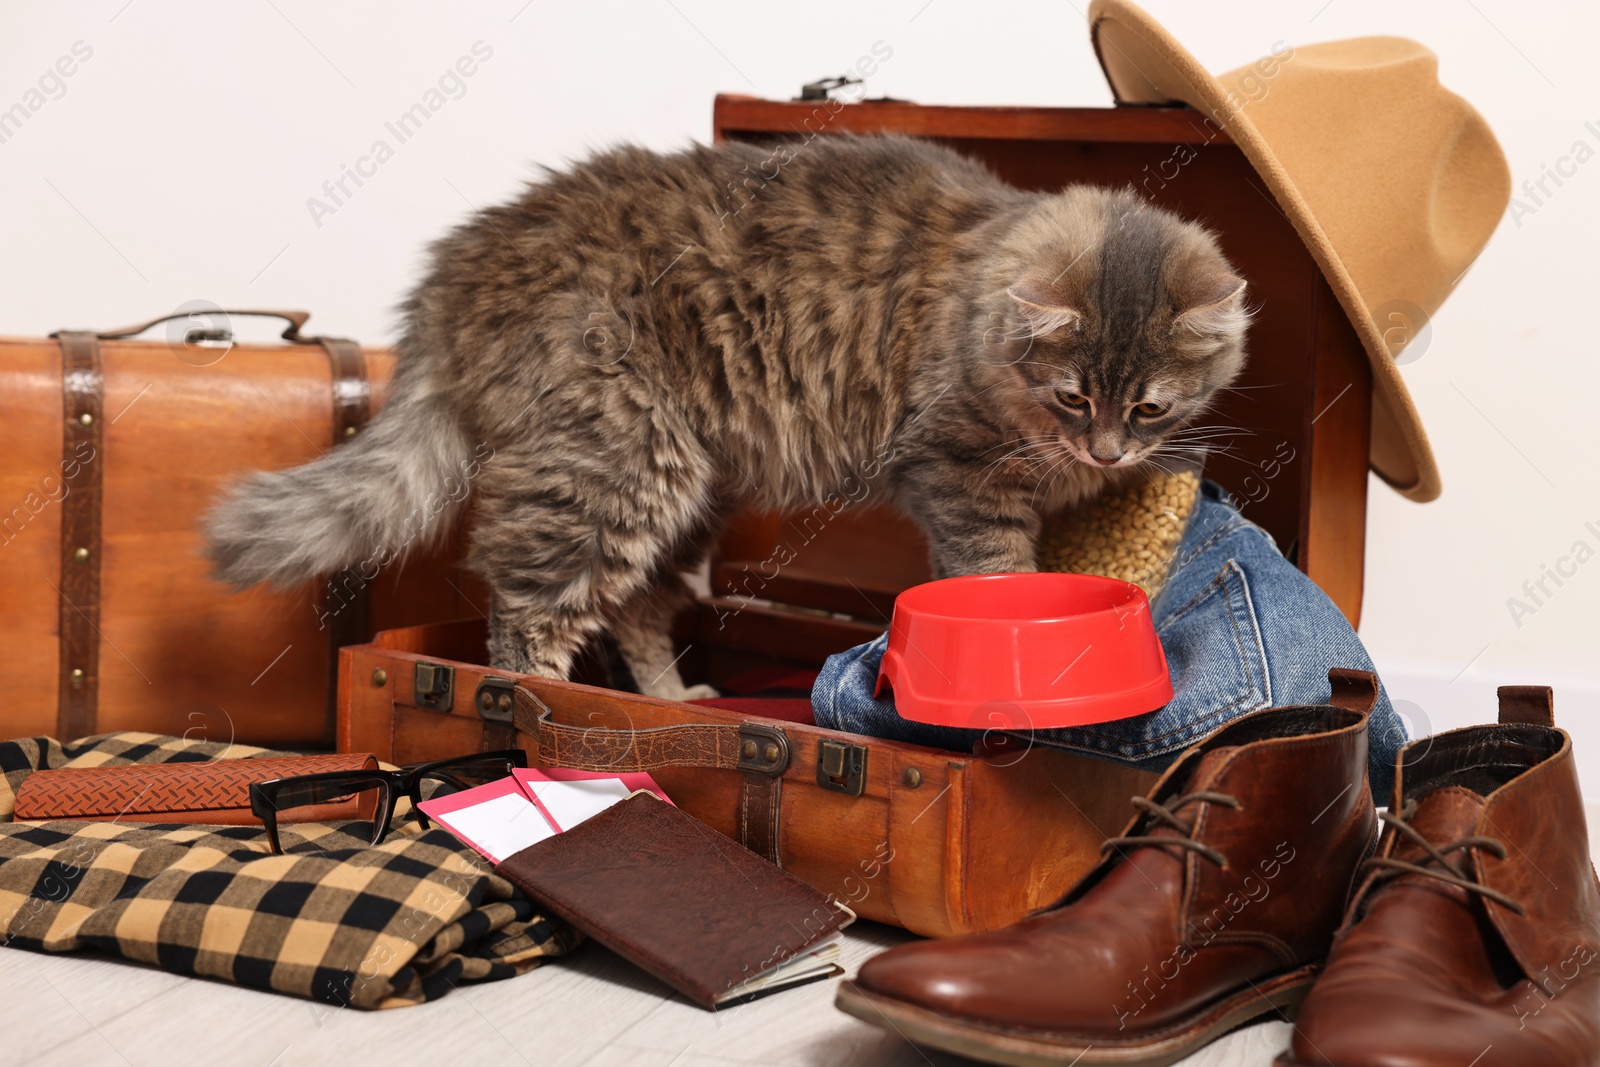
<point x="82" y="457"/>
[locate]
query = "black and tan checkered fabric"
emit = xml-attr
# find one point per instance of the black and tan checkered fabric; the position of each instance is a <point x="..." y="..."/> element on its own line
<point x="334" y="918"/>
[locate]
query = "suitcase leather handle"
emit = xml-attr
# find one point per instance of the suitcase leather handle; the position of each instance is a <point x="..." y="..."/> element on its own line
<point x="759" y="752"/>
<point x="291" y="333"/>
<point x="598" y="748"/>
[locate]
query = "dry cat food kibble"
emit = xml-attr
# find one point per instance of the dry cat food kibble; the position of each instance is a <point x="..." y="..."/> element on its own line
<point x="1130" y="533"/>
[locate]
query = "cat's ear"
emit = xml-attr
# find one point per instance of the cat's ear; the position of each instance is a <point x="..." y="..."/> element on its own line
<point x="1214" y="307"/>
<point x="1041" y="308"/>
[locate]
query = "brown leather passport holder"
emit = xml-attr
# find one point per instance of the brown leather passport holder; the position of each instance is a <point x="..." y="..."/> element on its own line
<point x="694" y="908"/>
<point x="210" y="791"/>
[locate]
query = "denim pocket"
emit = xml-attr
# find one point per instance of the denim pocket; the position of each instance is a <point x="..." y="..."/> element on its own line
<point x="1219" y="671"/>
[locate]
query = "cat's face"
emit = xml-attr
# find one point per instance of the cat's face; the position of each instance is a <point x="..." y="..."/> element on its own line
<point x="1117" y="353"/>
<point x="1117" y="396"/>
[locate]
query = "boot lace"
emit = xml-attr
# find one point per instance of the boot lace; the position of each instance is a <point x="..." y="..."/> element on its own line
<point x="1439" y="865"/>
<point x="1166" y="814"/>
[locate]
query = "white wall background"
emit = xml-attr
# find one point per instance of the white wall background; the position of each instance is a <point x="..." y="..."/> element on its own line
<point x="176" y="162"/>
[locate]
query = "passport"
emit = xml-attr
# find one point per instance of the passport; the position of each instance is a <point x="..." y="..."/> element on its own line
<point x="687" y="904"/>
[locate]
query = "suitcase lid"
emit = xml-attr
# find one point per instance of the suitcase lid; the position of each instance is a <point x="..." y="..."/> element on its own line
<point x="1298" y="469"/>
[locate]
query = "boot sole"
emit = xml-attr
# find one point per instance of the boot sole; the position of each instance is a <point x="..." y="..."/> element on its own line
<point x="1023" y="1048"/>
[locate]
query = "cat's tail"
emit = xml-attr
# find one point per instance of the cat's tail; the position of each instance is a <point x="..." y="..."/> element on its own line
<point x="396" y="486"/>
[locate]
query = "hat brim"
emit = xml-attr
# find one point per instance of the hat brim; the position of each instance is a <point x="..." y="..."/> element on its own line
<point x="1133" y="48"/>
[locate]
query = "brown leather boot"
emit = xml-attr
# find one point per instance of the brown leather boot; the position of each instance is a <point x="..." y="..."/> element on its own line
<point x="1215" y="906"/>
<point x="1475" y="939"/>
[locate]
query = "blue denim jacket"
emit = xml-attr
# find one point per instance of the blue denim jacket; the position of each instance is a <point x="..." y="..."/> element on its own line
<point x="1242" y="628"/>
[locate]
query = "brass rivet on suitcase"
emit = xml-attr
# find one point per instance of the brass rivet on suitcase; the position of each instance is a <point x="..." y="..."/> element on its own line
<point x="81" y="555"/>
<point x="77" y="676"/>
<point x="749" y="750"/>
<point x="504" y="702"/>
<point x="485" y="700"/>
<point x="86" y="419"/>
<point x="351" y="431"/>
<point x="771" y="753"/>
<point x="380" y="676"/>
<point x="913" y="777"/>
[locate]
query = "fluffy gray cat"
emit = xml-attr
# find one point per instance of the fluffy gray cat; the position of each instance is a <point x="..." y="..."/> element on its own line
<point x="635" y="349"/>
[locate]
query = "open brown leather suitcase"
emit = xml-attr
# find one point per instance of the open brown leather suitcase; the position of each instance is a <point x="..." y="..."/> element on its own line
<point x="114" y="449"/>
<point x="938" y="842"/>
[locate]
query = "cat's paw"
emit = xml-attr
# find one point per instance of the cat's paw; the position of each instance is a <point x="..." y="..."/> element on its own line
<point x="672" y="689"/>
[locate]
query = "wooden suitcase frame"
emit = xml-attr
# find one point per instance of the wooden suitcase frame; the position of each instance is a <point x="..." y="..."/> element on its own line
<point x="938" y="842"/>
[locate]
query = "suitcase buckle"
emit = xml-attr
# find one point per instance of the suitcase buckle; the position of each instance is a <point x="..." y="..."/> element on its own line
<point x="763" y="750"/>
<point x="842" y="767"/>
<point x="493" y="699"/>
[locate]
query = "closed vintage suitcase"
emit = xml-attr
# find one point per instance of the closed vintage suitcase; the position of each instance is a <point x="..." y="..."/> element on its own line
<point x="115" y="448"/>
<point x="938" y="842"/>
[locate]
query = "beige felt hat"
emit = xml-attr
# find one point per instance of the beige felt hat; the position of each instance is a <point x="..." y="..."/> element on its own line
<point x="1394" y="182"/>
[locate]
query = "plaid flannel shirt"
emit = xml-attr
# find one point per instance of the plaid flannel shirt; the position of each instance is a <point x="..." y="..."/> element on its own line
<point x="333" y="918"/>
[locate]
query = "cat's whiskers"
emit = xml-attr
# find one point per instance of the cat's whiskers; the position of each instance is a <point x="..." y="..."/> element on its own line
<point x="1225" y="440"/>
<point x="1025" y="456"/>
<point x="1202" y="437"/>
<point x="1019" y="454"/>
<point x="1029" y="448"/>
<point x="1023" y="444"/>
<point x="1249" y="388"/>
<point x="1154" y="460"/>
<point x="1030" y="438"/>
<point x="1191" y="455"/>
<point x="1202" y="450"/>
<point x="1055" y="471"/>
<point x="1215" y="430"/>
<point x="1205" y="439"/>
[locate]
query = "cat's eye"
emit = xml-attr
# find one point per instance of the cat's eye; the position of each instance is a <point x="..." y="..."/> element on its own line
<point x="1072" y="400"/>
<point x="1152" y="411"/>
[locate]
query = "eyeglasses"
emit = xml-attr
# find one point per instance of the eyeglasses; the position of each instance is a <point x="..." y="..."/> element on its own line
<point x="269" y="798"/>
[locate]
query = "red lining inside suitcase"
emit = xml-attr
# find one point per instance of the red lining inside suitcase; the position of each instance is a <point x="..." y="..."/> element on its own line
<point x="770" y="692"/>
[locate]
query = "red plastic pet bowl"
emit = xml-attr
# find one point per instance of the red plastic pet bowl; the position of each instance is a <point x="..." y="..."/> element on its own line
<point x="1019" y="651"/>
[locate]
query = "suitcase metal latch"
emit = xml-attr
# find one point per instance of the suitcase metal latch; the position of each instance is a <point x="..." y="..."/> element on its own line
<point x="842" y="767"/>
<point x="493" y="699"/>
<point x="435" y="686"/>
<point x="823" y="88"/>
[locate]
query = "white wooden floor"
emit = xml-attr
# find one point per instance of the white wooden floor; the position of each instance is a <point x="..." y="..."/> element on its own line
<point x="591" y="1008"/>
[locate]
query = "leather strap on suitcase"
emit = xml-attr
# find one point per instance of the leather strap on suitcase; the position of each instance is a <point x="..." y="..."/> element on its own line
<point x="758" y="751"/>
<point x="83" y="444"/>
<point x="83" y="428"/>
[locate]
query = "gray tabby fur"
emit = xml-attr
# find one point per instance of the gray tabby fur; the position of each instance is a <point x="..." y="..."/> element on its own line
<point x="637" y="348"/>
